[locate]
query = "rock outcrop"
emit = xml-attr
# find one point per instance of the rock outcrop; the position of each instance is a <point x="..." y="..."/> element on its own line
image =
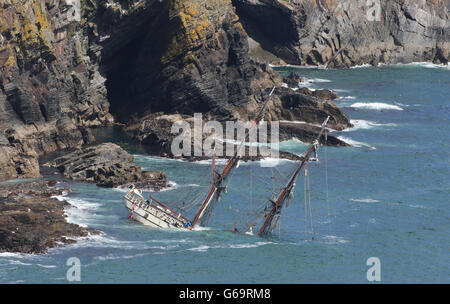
<point x="154" y="131"/>
<point x="31" y="221"/>
<point x="344" y="33"/>
<point x="51" y="89"/>
<point x="65" y="69"/>
<point x="107" y="165"/>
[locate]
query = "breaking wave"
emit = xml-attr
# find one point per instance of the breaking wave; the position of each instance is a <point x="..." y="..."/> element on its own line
<point x="355" y="143"/>
<point x="346" y="97"/>
<point x="341" y="91"/>
<point x="428" y="65"/>
<point x="365" y="125"/>
<point x="172" y="186"/>
<point x="375" y="106"/>
<point x="79" y="210"/>
<point x="361" y="66"/>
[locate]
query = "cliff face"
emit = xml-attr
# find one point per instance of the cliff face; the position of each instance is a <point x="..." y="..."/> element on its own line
<point x="50" y="88"/>
<point x="68" y="66"/>
<point x="192" y="57"/>
<point x="342" y="33"/>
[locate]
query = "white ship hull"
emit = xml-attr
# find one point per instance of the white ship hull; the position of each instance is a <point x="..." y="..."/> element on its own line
<point x="152" y="213"/>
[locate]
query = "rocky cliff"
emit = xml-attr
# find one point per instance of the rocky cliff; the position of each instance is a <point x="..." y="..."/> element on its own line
<point x="32" y="221"/>
<point x="50" y="88"/>
<point x="68" y="66"/>
<point x="108" y="165"/>
<point x="343" y="33"/>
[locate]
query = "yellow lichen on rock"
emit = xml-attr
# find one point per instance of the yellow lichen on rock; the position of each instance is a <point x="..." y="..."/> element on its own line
<point x="33" y="24"/>
<point x="10" y="62"/>
<point x="194" y="20"/>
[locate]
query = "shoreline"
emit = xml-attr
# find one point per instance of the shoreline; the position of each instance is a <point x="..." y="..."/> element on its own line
<point x="424" y="64"/>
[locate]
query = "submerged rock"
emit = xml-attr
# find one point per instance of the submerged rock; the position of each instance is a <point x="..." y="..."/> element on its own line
<point x="107" y="165"/>
<point x="31" y="221"/>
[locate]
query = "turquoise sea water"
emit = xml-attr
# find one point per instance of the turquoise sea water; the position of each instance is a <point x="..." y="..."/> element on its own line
<point x="388" y="198"/>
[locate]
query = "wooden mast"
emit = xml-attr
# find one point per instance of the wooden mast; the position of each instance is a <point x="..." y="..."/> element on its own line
<point x="232" y="163"/>
<point x="267" y="227"/>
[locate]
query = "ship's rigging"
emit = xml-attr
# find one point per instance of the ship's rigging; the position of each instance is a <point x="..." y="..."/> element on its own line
<point x="137" y="204"/>
<point x="267" y="216"/>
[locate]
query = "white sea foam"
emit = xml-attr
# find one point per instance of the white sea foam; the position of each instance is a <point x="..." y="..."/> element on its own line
<point x="192" y="185"/>
<point x="172" y="186"/>
<point x="203" y="248"/>
<point x="375" y="106"/>
<point x="417" y="206"/>
<point x="299" y="122"/>
<point x="365" y="124"/>
<point x="154" y="159"/>
<point x="105" y="241"/>
<point x="16" y="262"/>
<point x="79" y="211"/>
<point x="219" y="161"/>
<point x="11" y="255"/>
<point x="335" y="239"/>
<point x="78" y="203"/>
<point x="250" y="245"/>
<point x="293" y="143"/>
<point x="120" y="257"/>
<point x="320" y="80"/>
<point x="310" y="81"/>
<point x="270" y="162"/>
<point x="46" y="266"/>
<point x="362" y="66"/>
<point x="355" y="143"/>
<point x="321" y="67"/>
<point x="364" y="200"/>
<point x="346" y="97"/>
<point x="340" y="90"/>
<point x="17" y="282"/>
<point x="428" y="65"/>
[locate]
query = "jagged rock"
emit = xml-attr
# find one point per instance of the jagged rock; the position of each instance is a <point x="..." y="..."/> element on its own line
<point x="3" y="140"/>
<point x="15" y="163"/>
<point x="107" y="165"/>
<point x="154" y="131"/>
<point x="308" y="133"/>
<point x="323" y="94"/>
<point x="46" y="74"/>
<point x="59" y="74"/>
<point x="294" y="106"/>
<point x="292" y="80"/>
<point x="31" y="221"/>
<point x="342" y="33"/>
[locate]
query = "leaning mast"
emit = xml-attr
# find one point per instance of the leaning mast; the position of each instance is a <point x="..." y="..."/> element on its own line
<point x="216" y="187"/>
<point x="277" y="205"/>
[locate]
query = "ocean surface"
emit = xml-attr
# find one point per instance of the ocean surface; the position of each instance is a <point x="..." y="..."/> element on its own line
<point x="385" y="197"/>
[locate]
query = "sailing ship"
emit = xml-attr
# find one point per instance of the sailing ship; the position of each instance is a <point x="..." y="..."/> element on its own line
<point x="155" y="214"/>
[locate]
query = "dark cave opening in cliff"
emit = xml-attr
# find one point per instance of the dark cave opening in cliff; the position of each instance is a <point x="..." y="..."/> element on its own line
<point x="276" y="36"/>
<point x="119" y="74"/>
